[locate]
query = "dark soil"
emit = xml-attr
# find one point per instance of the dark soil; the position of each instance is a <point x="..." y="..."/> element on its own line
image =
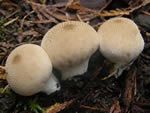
<point x="130" y="93"/>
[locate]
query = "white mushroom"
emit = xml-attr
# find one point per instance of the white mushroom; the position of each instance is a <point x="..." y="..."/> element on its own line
<point x="120" y="42"/>
<point x="69" y="46"/>
<point x="30" y="71"/>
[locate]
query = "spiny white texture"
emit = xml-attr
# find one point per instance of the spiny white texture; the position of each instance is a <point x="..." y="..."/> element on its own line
<point x="29" y="70"/>
<point x="70" y="44"/>
<point x="120" y="40"/>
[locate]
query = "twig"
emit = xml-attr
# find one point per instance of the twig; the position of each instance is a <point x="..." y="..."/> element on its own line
<point x="41" y="21"/>
<point x="13" y="13"/>
<point x="67" y="16"/>
<point x="32" y="42"/>
<point x="145" y="2"/>
<point x="93" y="108"/>
<point x="105" y="6"/>
<point x="113" y="13"/>
<point x="147" y="34"/>
<point x="110" y="75"/>
<point x="146" y="13"/>
<point x="11" y="21"/>
<point x="5" y="88"/>
<point x="78" y="16"/>
<point x="2" y="67"/>
<point x="145" y="56"/>
<point x="22" y="21"/>
<point x="2" y="54"/>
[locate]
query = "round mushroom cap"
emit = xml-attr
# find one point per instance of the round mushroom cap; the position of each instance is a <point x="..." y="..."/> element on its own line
<point x="70" y="43"/>
<point x="28" y="67"/>
<point x="120" y="40"/>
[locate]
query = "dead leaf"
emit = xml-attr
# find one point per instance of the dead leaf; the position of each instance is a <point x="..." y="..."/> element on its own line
<point x="58" y="107"/>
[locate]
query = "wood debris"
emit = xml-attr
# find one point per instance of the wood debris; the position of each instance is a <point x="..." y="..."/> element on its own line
<point x="130" y="89"/>
<point x="58" y="107"/>
<point x="115" y="108"/>
<point x="93" y="108"/>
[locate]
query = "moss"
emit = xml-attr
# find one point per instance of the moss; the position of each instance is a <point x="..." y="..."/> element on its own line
<point x="29" y="104"/>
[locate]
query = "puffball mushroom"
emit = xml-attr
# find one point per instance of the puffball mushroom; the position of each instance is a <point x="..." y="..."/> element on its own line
<point x="69" y="46"/>
<point x="30" y="71"/>
<point x="120" y="42"/>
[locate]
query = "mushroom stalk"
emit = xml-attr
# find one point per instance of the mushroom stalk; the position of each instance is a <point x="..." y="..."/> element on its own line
<point x="51" y="85"/>
<point x="76" y="70"/>
<point x="119" y="68"/>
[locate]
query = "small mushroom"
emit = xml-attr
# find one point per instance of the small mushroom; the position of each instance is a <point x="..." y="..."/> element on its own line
<point x="70" y="45"/>
<point x="30" y="71"/>
<point x="120" y="42"/>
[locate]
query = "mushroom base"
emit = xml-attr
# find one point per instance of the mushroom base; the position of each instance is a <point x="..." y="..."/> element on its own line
<point x="76" y="70"/>
<point x="120" y="68"/>
<point x="51" y="85"/>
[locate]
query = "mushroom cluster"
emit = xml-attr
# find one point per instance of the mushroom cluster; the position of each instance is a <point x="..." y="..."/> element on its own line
<point x="68" y="47"/>
<point x="120" y="42"/>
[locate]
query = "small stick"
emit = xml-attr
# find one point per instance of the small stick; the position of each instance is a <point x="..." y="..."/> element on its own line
<point x="10" y="22"/>
<point x="5" y="88"/>
<point x="78" y="16"/>
<point x="22" y="21"/>
<point x="93" y="108"/>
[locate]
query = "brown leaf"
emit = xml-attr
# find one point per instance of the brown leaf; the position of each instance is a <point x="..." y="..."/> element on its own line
<point x="58" y="107"/>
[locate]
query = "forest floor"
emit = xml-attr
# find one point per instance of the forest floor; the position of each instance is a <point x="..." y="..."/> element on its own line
<point x="26" y="21"/>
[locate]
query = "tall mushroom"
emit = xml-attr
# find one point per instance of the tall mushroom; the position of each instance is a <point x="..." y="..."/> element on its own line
<point x="30" y="71"/>
<point x="69" y="46"/>
<point x="120" y="42"/>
